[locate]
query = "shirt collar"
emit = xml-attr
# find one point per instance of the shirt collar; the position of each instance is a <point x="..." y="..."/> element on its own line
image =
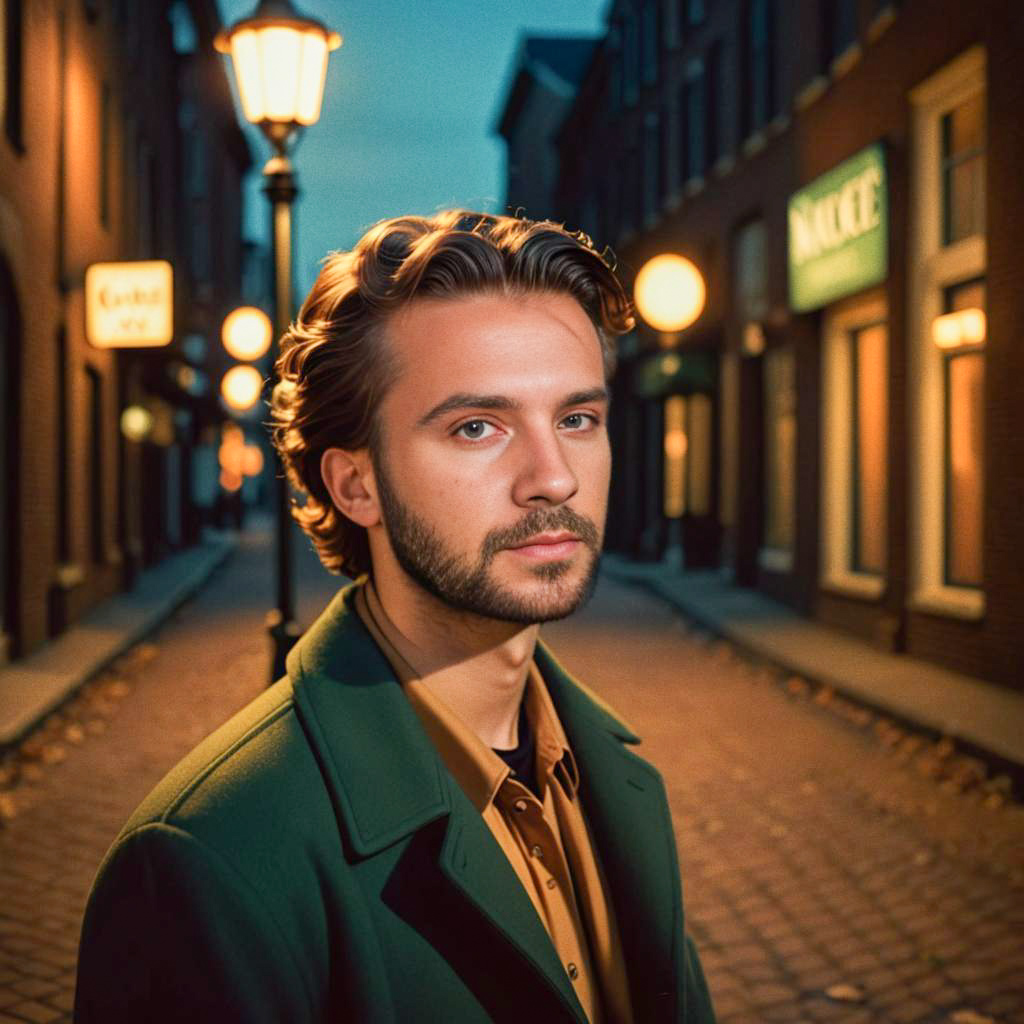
<point x="478" y="770"/>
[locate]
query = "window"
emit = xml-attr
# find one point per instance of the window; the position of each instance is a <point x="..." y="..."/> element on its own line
<point x="97" y="527"/>
<point x="963" y="170"/>
<point x="652" y="167"/>
<point x="695" y="118"/>
<point x="854" y="447"/>
<point x="687" y="456"/>
<point x="671" y="19"/>
<point x="780" y="458"/>
<point x="630" y="59"/>
<point x="713" y="102"/>
<point x="62" y="449"/>
<point x="695" y="11"/>
<point x="964" y="408"/>
<point x="651" y="41"/>
<point x="838" y="28"/>
<point x="948" y="328"/>
<point x="759" y="64"/>
<point x="869" y="499"/>
<point x="105" y="161"/>
<point x="10" y="71"/>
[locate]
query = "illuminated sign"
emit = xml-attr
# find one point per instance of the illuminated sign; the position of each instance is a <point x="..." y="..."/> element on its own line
<point x="839" y="232"/>
<point x="129" y="305"/>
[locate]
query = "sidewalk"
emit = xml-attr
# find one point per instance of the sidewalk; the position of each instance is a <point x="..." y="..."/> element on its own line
<point x="981" y="716"/>
<point x="32" y="687"/>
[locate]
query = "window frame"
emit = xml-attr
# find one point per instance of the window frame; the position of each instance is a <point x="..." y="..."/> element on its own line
<point x="838" y="447"/>
<point x="935" y="268"/>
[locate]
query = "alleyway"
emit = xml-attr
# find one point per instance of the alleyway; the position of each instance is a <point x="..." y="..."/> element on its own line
<point x="826" y="876"/>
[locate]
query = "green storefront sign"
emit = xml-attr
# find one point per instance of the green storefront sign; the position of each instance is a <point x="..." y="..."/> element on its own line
<point x="839" y="231"/>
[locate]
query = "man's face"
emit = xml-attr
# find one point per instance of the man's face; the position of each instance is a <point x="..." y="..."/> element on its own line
<point x="494" y="464"/>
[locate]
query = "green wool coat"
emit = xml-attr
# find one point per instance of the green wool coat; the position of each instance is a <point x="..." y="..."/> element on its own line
<point x="313" y="860"/>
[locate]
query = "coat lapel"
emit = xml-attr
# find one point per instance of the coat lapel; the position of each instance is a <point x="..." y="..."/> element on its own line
<point x="626" y="808"/>
<point x="361" y="726"/>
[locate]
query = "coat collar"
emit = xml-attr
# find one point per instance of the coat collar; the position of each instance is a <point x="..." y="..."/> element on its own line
<point x="362" y="726"/>
<point x="366" y="728"/>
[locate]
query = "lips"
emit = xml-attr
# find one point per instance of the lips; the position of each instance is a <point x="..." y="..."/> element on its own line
<point x="548" y="547"/>
<point x="547" y="539"/>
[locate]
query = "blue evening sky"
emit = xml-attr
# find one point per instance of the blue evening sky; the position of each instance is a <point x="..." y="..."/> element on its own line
<point x="409" y="115"/>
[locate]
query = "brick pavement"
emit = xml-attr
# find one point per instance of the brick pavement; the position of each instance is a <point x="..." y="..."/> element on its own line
<point x="811" y="857"/>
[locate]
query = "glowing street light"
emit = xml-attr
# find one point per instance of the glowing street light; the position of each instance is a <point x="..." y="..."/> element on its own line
<point x="962" y="327"/>
<point x="280" y="62"/>
<point x="669" y="293"/>
<point x="246" y="333"/>
<point x="241" y="387"/>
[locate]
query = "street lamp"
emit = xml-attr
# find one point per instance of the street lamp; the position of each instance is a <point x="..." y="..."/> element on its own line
<point x="280" y="62"/>
<point x="247" y="333"/>
<point x="669" y="293"/>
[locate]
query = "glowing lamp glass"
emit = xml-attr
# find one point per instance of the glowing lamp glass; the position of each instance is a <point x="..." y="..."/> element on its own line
<point x="246" y="333"/>
<point x="669" y="293"/>
<point x="241" y="387"/>
<point x="136" y="423"/>
<point x="252" y="460"/>
<point x="280" y="68"/>
<point x="962" y="327"/>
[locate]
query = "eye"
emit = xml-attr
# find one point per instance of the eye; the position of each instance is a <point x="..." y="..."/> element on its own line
<point x="474" y="430"/>
<point x="580" y="421"/>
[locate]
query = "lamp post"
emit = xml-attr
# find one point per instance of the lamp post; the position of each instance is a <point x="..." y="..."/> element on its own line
<point x="669" y="293"/>
<point x="280" y="62"/>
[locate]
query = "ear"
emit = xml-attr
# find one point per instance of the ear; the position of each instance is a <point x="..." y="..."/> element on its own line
<point x="348" y="477"/>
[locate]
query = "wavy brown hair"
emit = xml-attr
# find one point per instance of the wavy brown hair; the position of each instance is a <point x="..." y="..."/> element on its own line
<point x="334" y="366"/>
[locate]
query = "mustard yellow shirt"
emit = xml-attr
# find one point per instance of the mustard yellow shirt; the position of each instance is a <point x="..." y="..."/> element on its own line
<point x="546" y="841"/>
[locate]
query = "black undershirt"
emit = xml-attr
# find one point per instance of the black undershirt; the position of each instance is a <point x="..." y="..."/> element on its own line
<point x="522" y="759"/>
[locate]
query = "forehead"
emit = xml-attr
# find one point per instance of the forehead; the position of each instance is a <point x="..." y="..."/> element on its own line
<point x="501" y="343"/>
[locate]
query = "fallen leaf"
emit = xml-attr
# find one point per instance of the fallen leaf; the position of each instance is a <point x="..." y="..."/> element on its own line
<point x="54" y="753"/>
<point x="843" y="993"/>
<point x="8" y="809"/>
<point x="970" y="1017"/>
<point x="74" y="734"/>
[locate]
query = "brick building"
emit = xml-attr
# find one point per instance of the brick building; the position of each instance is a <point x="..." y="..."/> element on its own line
<point x="119" y="143"/>
<point x="845" y="418"/>
<point x="545" y="75"/>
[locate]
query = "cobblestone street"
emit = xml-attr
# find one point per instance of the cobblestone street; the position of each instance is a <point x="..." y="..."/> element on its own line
<point x="828" y="875"/>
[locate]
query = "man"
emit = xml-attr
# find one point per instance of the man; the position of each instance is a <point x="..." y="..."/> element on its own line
<point x="427" y="819"/>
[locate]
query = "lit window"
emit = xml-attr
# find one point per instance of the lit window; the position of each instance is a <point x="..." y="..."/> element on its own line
<point x="965" y="387"/>
<point x="948" y="330"/>
<point x="963" y="170"/>
<point x="869" y="497"/>
<point x="854" y="447"/>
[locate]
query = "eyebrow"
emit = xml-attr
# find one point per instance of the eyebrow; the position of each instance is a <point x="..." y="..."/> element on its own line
<point x="465" y="400"/>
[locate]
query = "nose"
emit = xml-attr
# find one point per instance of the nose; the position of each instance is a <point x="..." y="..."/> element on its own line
<point x="544" y="476"/>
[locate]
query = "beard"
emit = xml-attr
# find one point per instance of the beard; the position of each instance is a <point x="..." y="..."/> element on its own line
<point x="470" y="586"/>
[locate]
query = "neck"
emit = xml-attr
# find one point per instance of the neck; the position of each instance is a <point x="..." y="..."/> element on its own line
<point x="478" y="666"/>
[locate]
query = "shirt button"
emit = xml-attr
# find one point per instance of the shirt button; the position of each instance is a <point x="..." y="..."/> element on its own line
<point x="520" y="805"/>
<point x="551" y="883"/>
<point x="537" y="851"/>
<point x="574" y="971"/>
